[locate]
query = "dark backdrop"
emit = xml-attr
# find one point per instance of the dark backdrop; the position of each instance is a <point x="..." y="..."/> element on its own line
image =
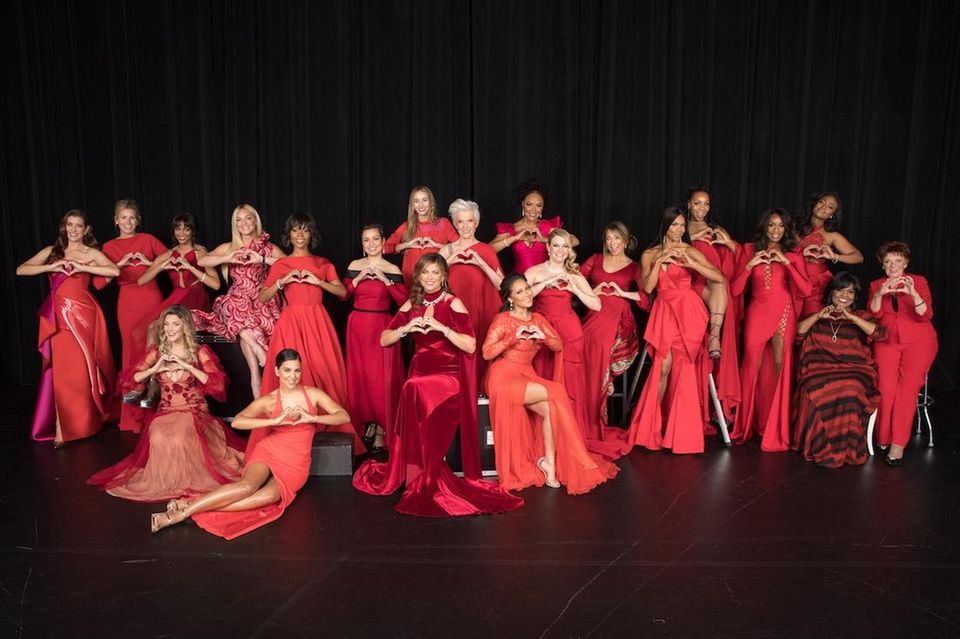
<point x="338" y="108"/>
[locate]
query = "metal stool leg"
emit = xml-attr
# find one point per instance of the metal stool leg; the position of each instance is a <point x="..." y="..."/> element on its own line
<point x="718" y="409"/>
<point x="634" y="382"/>
<point x="924" y="405"/>
<point x="871" y="423"/>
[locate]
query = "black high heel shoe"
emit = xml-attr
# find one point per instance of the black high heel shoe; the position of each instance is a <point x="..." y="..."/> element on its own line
<point x="893" y="463"/>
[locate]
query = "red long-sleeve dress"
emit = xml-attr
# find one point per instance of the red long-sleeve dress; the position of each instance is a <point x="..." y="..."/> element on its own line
<point x="440" y="231"/>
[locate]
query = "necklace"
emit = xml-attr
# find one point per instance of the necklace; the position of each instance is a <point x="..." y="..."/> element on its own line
<point x="436" y="300"/>
<point x="554" y="270"/>
<point x="835" y="330"/>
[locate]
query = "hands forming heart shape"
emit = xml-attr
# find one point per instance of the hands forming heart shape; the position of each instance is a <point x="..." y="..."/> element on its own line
<point x="531" y="332"/>
<point x="561" y="284"/>
<point x="817" y="251"/>
<point x="68" y="267"/>
<point x="606" y="289"/>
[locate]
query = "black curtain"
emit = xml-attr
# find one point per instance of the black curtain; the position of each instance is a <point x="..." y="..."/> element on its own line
<point x="339" y="108"/>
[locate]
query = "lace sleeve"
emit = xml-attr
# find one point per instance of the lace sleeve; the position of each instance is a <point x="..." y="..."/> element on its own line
<point x="126" y="381"/>
<point x="500" y="337"/>
<point x="216" y="386"/>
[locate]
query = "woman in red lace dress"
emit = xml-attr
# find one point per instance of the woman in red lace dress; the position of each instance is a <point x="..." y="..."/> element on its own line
<point x="421" y="234"/>
<point x="77" y="375"/>
<point x="538" y="440"/>
<point x="183" y="449"/>
<point x="439" y="396"/>
<point x="527" y="237"/>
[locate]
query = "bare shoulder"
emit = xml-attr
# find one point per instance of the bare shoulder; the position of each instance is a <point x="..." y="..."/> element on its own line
<point x="457" y="305"/>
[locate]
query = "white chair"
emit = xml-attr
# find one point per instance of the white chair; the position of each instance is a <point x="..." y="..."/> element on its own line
<point x="924" y="401"/>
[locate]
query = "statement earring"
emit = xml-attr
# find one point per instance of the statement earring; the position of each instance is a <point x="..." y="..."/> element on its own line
<point x="510" y="304"/>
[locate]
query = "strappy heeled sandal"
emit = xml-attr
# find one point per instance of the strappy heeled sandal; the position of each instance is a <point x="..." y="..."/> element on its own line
<point x="714" y="328"/>
<point x="542" y="466"/>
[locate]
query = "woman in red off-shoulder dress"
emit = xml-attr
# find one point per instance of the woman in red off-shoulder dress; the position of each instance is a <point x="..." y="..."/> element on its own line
<point x="421" y="234"/>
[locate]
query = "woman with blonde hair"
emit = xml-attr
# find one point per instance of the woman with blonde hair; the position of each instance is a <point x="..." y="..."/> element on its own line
<point x="421" y="234"/>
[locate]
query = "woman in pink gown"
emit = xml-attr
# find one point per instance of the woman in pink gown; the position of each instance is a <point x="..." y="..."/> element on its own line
<point x="421" y="234"/>
<point x="439" y="396"/>
<point x="276" y="468"/>
<point x="528" y="236"/>
<point x="183" y="449"/>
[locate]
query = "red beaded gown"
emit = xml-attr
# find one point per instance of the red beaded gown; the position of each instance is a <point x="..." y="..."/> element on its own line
<point x="441" y="232"/>
<point x="818" y="273"/>
<point x="610" y="345"/>
<point x="517" y="432"/>
<point x="439" y="396"/>
<point x="478" y="294"/>
<point x="677" y="324"/>
<point x="527" y="254"/>
<point x="765" y="407"/>
<point x="183" y="450"/>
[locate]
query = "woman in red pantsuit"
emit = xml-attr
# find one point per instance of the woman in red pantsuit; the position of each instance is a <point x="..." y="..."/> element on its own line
<point x="421" y="234"/>
<point x="374" y="373"/>
<point x="527" y="237"/>
<point x="776" y="276"/>
<point x="902" y="304"/>
<point x="669" y="413"/>
<point x="77" y="375"/>
<point x="276" y="467"/>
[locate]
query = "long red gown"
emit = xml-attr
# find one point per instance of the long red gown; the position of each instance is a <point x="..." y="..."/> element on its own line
<point x="678" y="321"/>
<point x="818" y="273"/>
<point x="765" y="406"/>
<point x="610" y="345"/>
<point x="478" y="294"/>
<point x="517" y="432"/>
<point x="440" y="231"/>
<point x="527" y="254"/>
<point x="374" y="373"/>
<point x="286" y="452"/>
<point x="305" y="326"/>
<point x="439" y="396"/>
<point x="183" y="450"/>
<point x="77" y="371"/>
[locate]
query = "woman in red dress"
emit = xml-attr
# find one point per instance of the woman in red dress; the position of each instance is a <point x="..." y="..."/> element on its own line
<point x="276" y="467"/>
<point x="183" y="450"/>
<point x="421" y="234"/>
<point x="669" y="413"/>
<point x="610" y="342"/>
<point x="374" y="373"/>
<point x="820" y="242"/>
<point x="528" y="235"/>
<point x="538" y="440"/>
<point x="304" y="324"/>
<point x="775" y="273"/>
<point x="903" y="305"/>
<point x="239" y="314"/>
<point x="73" y="400"/>
<point x="439" y="396"/>
<point x="475" y="273"/>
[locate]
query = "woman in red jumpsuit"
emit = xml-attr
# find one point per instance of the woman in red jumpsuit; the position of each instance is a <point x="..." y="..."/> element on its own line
<point x="421" y="234"/>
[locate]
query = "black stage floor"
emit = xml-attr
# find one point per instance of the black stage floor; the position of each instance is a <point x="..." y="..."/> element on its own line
<point x="728" y="543"/>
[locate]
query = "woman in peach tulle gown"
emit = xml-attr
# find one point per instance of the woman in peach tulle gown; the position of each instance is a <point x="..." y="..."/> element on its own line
<point x="537" y="438"/>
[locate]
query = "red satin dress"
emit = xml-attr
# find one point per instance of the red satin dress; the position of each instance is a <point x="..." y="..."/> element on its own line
<point x="610" y="345"/>
<point x="765" y="407"/>
<point x="374" y="373"/>
<point x="529" y="254"/>
<point x="818" y="273"/>
<point x="441" y="232"/>
<point x="183" y="450"/>
<point x="439" y="396"/>
<point x="478" y="294"/>
<point x="305" y="326"/>
<point x="517" y="432"/>
<point x="286" y="452"/>
<point x="77" y="371"/>
<point x="678" y="321"/>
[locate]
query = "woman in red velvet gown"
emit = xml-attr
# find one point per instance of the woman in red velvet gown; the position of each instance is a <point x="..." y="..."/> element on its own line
<point x="775" y="273"/>
<point x="77" y="375"/>
<point x="276" y="467"/>
<point x="374" y="373"/>
<point x="183" y="449"/>
<point x="528" y="235"/>
<point x="475" y="273"/>
<point x="669" y="413"/>
<point x="304" y="324"/>
<point x="421" y="234"/>
<point x="439" y="396"/>
<point x="538" y="440"/>
<point x="820" y="242"/>
<point x="610" y="342"/>
<point x="239" y="314"/>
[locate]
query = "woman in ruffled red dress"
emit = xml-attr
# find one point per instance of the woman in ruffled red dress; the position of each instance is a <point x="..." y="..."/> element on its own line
<point x="422" y="234"/>
<point x="669" y="413"/>
<point x="439" y="396"/>
<point x="276" y="467"/>
<point x="374" y="373"/>
<point x="74" y="398"/>
<point x="183" y="449"/>
<point x="528" y="236"/>
<point x="537" y="438"/>
<point x="775" y="273"/>
<point x="239" y="314"/>
<point x="304" y="324"/>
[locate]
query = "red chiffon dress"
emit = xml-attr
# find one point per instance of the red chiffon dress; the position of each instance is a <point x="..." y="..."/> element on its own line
<point x="818" y="273"/>
<point x="183" y="450"/>
<point x="517" y="432"/>
<point x="439" y="396"/>
<point x="286" y="452"/>
<point x="240" y="307"/>
<point x="77" y="371"/>
<point x="441" y="232"/>
<point x="135" y="305"/>
<point x="478" y="294"/>
<point x="610" y="345"/>
<point x="678" y="321"/>
<point x="305" y="326"/>
<point x="374" y="373"/>
<point x="527" y="254"/>
<point x="765" y="407"/>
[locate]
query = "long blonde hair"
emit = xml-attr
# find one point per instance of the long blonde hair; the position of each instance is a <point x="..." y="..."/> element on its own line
<point x="189" y="331"/>
<point x="236" y="241"/>
<point x="570" y="264"/>
<point x="413" y="220"/>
